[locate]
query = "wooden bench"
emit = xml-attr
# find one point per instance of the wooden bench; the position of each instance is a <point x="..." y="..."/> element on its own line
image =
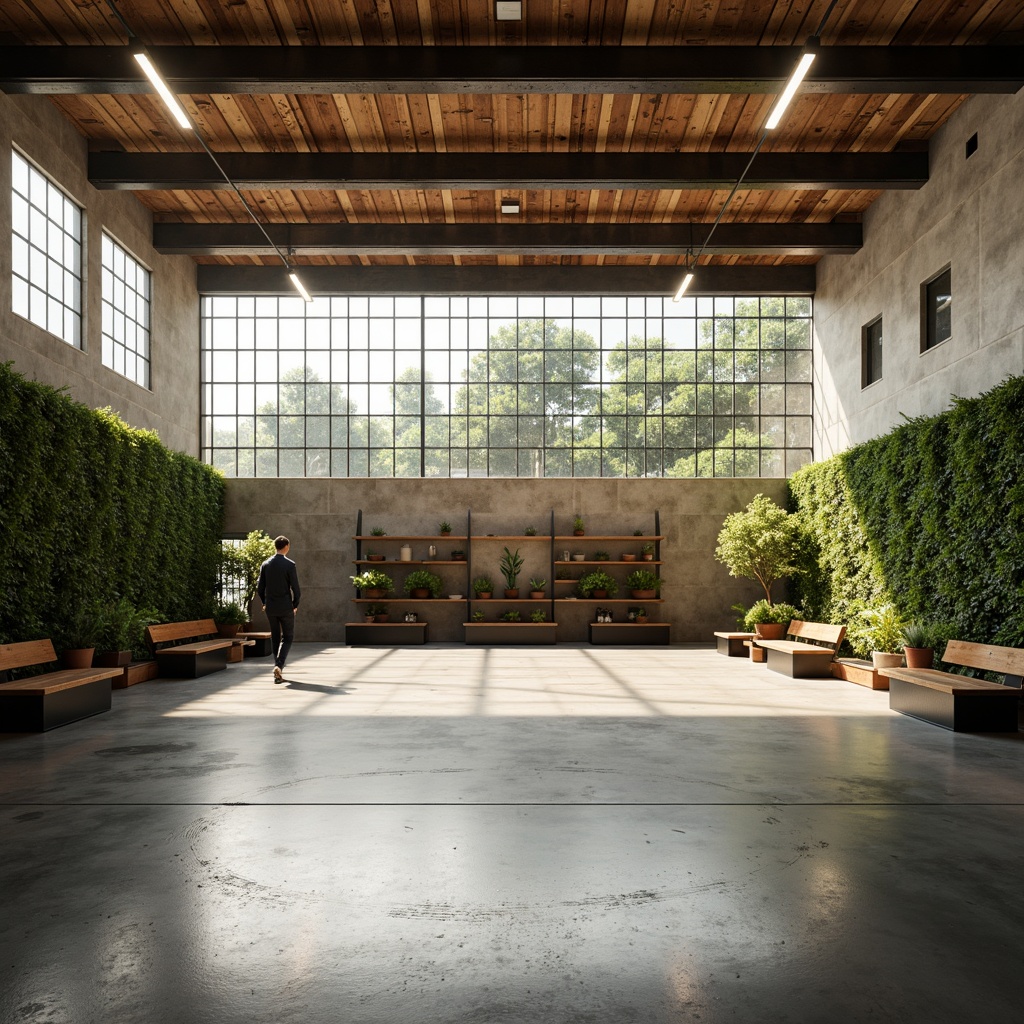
<point x="260" y="647"/>
<point x="733" y="645"/>
<point x="959" y="702"/>
<point x="51" y="699"/>
<point x="807" y="651"/>
<point x="187" y="650"/>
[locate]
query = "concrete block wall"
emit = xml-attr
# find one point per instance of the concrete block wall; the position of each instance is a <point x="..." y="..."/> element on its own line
<point x="969" y="215"/>
<point x="319" y="517"/>
<point x="171" y="406"/>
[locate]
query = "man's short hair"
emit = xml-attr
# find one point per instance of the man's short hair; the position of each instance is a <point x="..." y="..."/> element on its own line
<point x="281" y="542"/>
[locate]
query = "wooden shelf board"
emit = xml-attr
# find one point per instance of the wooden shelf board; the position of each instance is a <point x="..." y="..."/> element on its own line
<point x="533" y="625"/>
<point x="402" y="625"/>
<point x="644" y="539"/>
<point x="414" y="561"/>
<point x="408" y="600"/>
<point x="611" y="600"/>
<point x="511" y="600"/>
<point x="511" y="536"/>
<point x="396" y="536"/>
<point x="611" y="561"/>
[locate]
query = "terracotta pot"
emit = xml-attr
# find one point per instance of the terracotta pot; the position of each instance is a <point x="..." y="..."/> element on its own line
<point x="643" y="595"/>
<point x="641" y="618"/>
<point x="370" y="618"/>
<point x="112" y="659"/>
<point x="578" y="533"/>
<point x="771" y="630"/>
<point x="648" y="558"/>
<point x="484" y="595"/>
<point x="383" y="617"/>
<point x="629" y="558"/>
<point x="375" y="558"/>
<point x="421" y="593"/>
<point x="512" y="594"/>
<point x="228" y="628"/>
<point x="885" y="659"/>
<point x="599" y="594"/>
<point x="919" y="657"/>
<point x="537" y="595"/>
<point x="78" y="657"/>
<point x="374" y="594"/>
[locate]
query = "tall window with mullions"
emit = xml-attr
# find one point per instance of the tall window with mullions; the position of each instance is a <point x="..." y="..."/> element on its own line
<point x="507" y="386"/>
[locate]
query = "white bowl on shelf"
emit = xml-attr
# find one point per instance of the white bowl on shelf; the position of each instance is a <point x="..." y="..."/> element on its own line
<point x="454" y="597"/>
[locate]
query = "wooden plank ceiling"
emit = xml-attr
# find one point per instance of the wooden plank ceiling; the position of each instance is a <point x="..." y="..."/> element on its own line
<point x="631" y="121"/>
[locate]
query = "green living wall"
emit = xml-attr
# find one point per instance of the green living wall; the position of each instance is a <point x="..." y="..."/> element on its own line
<point x="930" y="516"/>
<point x="92" y="511"/>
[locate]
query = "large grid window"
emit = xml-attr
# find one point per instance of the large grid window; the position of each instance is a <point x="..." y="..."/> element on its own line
<point x="46" y="253"/>
<point x="125" y="297"/>
<point x="506" y="386"/>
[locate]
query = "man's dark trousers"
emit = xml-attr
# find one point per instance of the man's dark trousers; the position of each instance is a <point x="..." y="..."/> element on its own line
<point x="282" y="633"/>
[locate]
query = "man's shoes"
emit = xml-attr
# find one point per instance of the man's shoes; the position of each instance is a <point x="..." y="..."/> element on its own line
<point x="278" y="676"/>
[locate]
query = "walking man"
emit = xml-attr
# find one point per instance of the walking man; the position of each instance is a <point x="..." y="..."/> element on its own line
<point x="278" y="590"/>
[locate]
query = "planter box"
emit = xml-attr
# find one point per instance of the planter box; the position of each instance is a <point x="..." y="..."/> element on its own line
<point x="362" y="634"/>
<point x="856" y="670"/>
<point x="630" y="633"/>
<point x="531" y="633"/>
<point x="136" y="672"/>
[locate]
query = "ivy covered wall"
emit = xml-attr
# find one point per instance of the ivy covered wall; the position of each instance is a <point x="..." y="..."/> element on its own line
<point x="930" y="516"/>
<point x="93" y="510"/>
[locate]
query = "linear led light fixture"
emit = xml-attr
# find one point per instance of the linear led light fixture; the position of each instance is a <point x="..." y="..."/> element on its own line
<point x="161" y="87"/>
<point x="510" y="206"/>
<point x="294" y="278"/>
<point x="798" y="75"/>
<point x="683" y="285"/>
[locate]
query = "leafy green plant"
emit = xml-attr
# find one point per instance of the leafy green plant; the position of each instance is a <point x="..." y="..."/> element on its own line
<point x="229" y="613"/>
<point x="376" y="609"/>
<point x="883" y="630"/>
<point x="536" y="584"/>
<point x="563" y="574"/>
<point x="424" y="579"/>
<point x="373" y="579"/>
<point x="638" y="533"/>
<point x="764" y="613"/>
<point x="598" y="580"/>
<point x="478" y="616"/>
<point x="378" y="531"/>
<point x="483" y="585"/>
<point x="916" y="634"/>
<point x="539" y="616"/>
<point x="647" y="549"/>
<point x="511" y="565"/>
<point x="759" y="543"/>
<point x="510" y="616"/>
<point x="250" y="556"/>
<point x="85" y="627"/>
<point x="444" y="527"/>
<point x="531" y="531"/>
<point x="124" y="626"/>
<point x="643" y="579"/>
<point x="601" y="556"/>
<point x="577" y="524"/>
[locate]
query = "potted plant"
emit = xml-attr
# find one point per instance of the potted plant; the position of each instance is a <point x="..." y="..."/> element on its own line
<point x="241" y="563"/>
<point x="373" y="583"/>
<point x="511" y="565"/>
<point x="422" y="584"/>
<point x="478" y="616"/>
<point x="483" y="587"/>
<point x="578" y="526"/>
<point x="627" y="556"/>
<point x="458" y="555"/>
<point x="374" y="556"/>
<point x="884" y="635"/>
<point x="229" y="617"/>
<point x="511" y="616"/>
<point x="369" y="616"/>
<point x="531" y="531"/>
<point x="537" y="589"/>
<point x="539" y="616"/>
<point x="378" y="531"/>
<point x="445" y="528"/>
<point x="578" y="556"/>
<point x="641" y="615"/>
<point x="597" y="585"/>
<point x="121" y="636"/>
<point x="917" y="645"/>
<point x="563" y="574"/>
<point x="643" y="583"/>
<point x="601" y="556"/>
<point x="769" y="621"/>
<point x="638" y="533"/>
<point x="81" y="635"/>
<point x="647" y="552"/>
<point x="380" y="612"/>
<point x="759" y="543"/>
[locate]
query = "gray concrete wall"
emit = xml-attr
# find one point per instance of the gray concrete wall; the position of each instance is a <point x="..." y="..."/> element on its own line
<point x="171" y="406"/>
<point x="319" y="517"/>
<point x="970" y="215"/>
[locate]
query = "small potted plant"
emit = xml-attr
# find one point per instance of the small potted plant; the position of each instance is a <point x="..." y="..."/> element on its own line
<point x="378" y="531"/>
<point x="122" y="633"/>
<point x="483" y="587"/>
<point x="638" y="533"/>
<point x="369" y="615"/>
<point x="81" y="636"/>
<point x="380" y="612"/>
<point x="578" y="526"/>
<point x="563" y="574"/>
<point x="511" y="565"/>
<point x="478" y="616"/>
<point x="769" y="621"/>
<point x="539" y="616"/>
<point x="458" y="555"/>
<point x="601" y="556"/>
<point x="918" y="648"/>
<point x="445" y="529"/>
<point x="537" y="589"/>
<point x="598" y="585"/>
<point x="511" y="616"/>
<point x="374" y="556"/>
<point x="578" y="556"/>
<point x="628" y="556"/>
<point x="647" y="552"/>
<point x="373" y="583"/>
<point x="422" y="584"/>
<point x="641" y="615"/>
<point x="643" y="583"/>
<point x="531" y="531"/>
<point x="884" y="634"/>
<point x="229" y="617"/>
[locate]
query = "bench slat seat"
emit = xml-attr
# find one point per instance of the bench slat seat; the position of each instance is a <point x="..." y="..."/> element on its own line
<point x="959" y="702"/>
<point x="51" y="699"/>
<point x="202" y="654"/>
<point x="731" y="644"/>
<point x="797" y="658"/>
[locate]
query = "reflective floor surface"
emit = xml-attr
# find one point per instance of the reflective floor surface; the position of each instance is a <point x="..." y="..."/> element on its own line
<point x="458" y="835"/>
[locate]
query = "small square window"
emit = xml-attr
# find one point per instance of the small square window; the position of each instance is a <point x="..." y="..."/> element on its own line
<point x="871" y="352"/>
<point x="937" y="310"/>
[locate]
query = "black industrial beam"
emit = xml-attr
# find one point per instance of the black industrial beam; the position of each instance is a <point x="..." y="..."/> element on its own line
<point x="506" y="239"/>
<point x="513" y="69"/>
<point x="543" y="280"/>
<point x="497" y="171"/>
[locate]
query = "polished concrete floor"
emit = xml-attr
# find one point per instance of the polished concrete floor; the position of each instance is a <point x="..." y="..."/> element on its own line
<point x="459" y="835"/>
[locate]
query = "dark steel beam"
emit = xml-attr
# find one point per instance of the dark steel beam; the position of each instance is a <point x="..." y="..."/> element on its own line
<point x="547" y="280"/>
<point x="506" y="239"/>
<point x="513" y="69"/>
<point x="497" y="171"/>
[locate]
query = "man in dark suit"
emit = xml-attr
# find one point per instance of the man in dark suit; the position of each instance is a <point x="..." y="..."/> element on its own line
<point x="278" y="590"/>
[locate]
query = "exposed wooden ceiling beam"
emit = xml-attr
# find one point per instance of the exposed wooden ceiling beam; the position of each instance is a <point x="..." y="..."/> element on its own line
<point x="500" y="171"/>
<point x="513" y="69"/>
<point x="506" y="239"/>
<point x="546" y="280"/>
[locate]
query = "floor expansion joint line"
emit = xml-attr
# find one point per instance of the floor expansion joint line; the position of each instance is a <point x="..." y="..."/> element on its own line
<point x="515" y="803"/>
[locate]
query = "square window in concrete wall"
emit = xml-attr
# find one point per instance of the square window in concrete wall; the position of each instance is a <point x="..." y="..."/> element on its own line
<point x="937" y="309"/>
<point x="871" y="352"/>
<point x="46" y="253"/>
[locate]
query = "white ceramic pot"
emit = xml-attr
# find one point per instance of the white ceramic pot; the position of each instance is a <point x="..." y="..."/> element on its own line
<point x="883" y="659"/>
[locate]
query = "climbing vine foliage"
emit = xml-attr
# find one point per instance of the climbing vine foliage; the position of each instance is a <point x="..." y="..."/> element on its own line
<point x="93" y="511"/>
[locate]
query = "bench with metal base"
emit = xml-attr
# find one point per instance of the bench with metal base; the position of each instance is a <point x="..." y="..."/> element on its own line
<point x="203" y="653"/>
<point x="959" y="702"/>
<point x="799" y="659"/>
<point x="732" y="645"/>
<point x="260" y="647"/>
<point x="51" y="699"/>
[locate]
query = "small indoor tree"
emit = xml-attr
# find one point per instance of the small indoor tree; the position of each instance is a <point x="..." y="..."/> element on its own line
<point x="759" y="543"/>
<point x="240" y="564"/>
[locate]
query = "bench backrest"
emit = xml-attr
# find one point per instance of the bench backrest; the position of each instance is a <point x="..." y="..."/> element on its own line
<point x="31" y="652"/>
<point x="821" y="632"/>
<point x="168" y="632"/>
<point x="1007" y="660"/>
